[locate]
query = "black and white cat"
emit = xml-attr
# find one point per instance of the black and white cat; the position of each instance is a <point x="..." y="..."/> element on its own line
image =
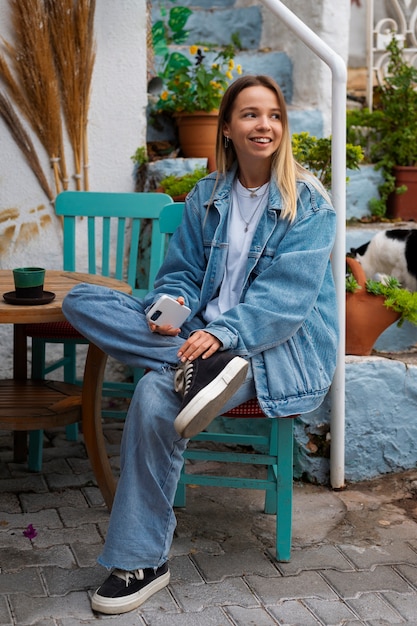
<point x="390" y="253"/>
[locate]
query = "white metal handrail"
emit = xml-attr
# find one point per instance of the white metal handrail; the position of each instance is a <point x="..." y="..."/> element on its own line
<point x="339" y="81"/>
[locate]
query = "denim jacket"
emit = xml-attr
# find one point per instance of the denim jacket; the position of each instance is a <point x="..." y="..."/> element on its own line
<point x="286" y="320"/>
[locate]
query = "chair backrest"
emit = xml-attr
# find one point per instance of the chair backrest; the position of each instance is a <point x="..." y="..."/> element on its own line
<point x="121" y="234"/>
<point x="170" y="217"/>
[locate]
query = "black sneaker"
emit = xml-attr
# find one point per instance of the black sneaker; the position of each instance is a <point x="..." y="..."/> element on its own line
<point x="124" y="591"/>
<point x="207" y="384"/>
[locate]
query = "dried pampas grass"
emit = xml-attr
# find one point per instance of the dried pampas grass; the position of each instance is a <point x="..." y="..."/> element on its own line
<point x="71" y="29"/>
<point x="49" y="76"/>
<point x="36" y="80"/>
<point x="24" y="142"/>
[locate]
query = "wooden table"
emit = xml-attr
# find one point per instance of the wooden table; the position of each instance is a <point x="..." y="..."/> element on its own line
<point x="32" y="405"/>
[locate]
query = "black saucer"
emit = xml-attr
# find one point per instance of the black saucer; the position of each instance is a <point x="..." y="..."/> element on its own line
<point x="10" y="298"/>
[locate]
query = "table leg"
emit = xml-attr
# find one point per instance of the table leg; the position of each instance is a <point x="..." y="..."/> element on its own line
<point x="20" y="444"/>
<point x="92" y="422"/>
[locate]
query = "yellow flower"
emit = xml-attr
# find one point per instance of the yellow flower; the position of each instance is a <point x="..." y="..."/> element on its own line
<point x="193" y="50"/>
<point x="231" y="64"/>
<point x="229" y="75"/>
<point x="239" y="69"/>
<point x="164" y="95"/>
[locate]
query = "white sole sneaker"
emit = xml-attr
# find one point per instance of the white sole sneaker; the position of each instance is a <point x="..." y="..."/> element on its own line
<point x="208" y="402"/>
<point x="114" y="606"/>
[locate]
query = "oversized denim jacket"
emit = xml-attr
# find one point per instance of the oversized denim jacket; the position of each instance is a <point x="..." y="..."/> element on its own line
<point x="286" y="321"/>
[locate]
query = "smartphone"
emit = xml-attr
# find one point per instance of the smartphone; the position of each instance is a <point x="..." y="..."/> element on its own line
<point x="167" y="310"/>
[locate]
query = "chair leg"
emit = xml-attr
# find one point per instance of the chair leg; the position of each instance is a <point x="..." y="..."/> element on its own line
<point x="285" y="442"/>
<point x="35" y="450"/>
<point x="180" y="495"/>
<point x="38" y="373"/>
<point x="271" y="496"/>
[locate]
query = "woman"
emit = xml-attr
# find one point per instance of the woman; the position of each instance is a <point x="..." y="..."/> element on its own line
<point x="252" y="261"/>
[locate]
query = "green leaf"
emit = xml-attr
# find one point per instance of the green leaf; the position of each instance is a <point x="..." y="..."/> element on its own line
<point x="178" y="17"/>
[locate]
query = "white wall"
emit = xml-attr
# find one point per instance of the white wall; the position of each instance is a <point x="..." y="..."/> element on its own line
<point x="29" y="230"/>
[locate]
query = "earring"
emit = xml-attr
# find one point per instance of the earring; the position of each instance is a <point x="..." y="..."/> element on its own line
<point x="226" y="142"/>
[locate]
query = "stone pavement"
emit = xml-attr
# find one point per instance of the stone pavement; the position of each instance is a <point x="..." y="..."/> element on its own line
<point x="354" y="558"/>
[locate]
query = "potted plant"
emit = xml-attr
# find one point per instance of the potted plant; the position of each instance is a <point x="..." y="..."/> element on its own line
<point x="372" y="306"/>
<point x="178" y="186"/>
<point x="193" y="85"/>
<point x="392" y="130"/>
<point x="316" y="155"/>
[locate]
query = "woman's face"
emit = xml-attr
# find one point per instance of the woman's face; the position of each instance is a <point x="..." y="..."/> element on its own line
<point x="255" y="125"/>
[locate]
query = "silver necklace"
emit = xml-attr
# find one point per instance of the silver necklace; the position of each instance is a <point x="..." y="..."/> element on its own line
<point x="255" y="209"/>
<point x="253" y="190"/>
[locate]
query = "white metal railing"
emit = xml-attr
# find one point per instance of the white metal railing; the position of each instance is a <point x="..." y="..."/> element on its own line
<point x="339" y="80"/>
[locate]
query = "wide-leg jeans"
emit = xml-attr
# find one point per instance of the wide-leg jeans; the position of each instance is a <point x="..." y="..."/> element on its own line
<point x="142" y="520"/>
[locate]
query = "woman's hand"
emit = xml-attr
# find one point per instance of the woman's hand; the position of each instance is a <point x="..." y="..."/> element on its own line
<point x="167" y="329"/>
<point x="200" y="343"/>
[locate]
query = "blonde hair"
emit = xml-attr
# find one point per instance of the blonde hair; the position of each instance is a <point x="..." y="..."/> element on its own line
<point x="284" y="167"/>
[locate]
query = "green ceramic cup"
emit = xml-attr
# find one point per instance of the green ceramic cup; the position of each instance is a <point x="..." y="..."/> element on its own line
<point x="28" y="282"/>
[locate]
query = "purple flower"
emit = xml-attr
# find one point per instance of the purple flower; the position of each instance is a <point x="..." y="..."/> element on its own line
<point x="30" y="532"/>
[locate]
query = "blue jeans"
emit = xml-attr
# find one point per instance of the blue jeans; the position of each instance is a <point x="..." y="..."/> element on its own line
<point x="142" y="520"/>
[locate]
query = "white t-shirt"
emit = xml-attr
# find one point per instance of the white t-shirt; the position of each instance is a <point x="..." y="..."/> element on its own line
<point x="245" y="212"/>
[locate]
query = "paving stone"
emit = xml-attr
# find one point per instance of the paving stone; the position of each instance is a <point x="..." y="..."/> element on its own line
<point x="72" y="517"/>
<point x="188" y="545"/>
<point x="216" y="568"/>
<point x="197" y="597"/>
<point x="93" y="496"/>
<point x="48" y="518"/>
<point x="19" y="582"/>
<point x="373" y="606"/>
<point x="365" y="557"/>
<point x="293" y="613"/>
<point x="63" y="481"/>
<point x="84" y="534"/>
<point x="36" y="502"/>
<point x="13" y="560"/>
<point x="383" y="622"/>
<point x="405" y="604"/>
<point x="29" y="609"/>
<point x="409" y="572"/>
<point x="9" y="503"/>
<point x="15" y="538"/>
<point x="5" y="615"/>
<point x="86" y="554"/>
<point x="352" y="584"/>
<point x="133" y="618"/>
<point x="331" y="613"/>
<point x="161" y="602"/>
<point x="315" y="558"/>
<point x="59" y="580"/>
<point x="305" y="585"/>
<point x="183" y="569"/>
<point x="212" y="616"/>
<point x="33" y="483"/>
<point x="250" y="617"/>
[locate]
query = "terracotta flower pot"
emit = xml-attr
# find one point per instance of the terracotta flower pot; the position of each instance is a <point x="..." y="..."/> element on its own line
<point x="366" y="315"/>
<point x="404" y="205"/>
<point x="197" y="135"/>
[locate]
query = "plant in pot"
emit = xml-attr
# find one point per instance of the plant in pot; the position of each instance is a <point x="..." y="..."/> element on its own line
<point x="372" y="306"/>
<point x="178" y="186"/>
<point x="193" y="86"/>
<point x="392" y="131"/>
<point x="316" y="155"/>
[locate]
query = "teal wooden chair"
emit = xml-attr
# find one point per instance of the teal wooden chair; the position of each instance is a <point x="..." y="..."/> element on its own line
<point x="122" y="240"/>
<point x="262" y="441"/>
